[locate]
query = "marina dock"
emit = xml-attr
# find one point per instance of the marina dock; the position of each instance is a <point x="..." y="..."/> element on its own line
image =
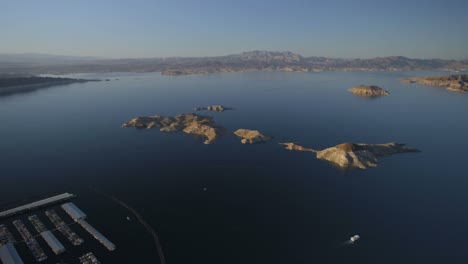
<point x="9" y="241"/>
<point x="40" y="227"/>
<point x="47" y="235"/>
<point x="44" y="202"/>
<point x="89" y="258"/>
<point x="79" y="217"/>
<point x="63" y="228"/>
<point x="9" y="255"/>
<point x="6" y="236"/>
<point x="53" y="242"/>
<point x="96" y="234"/>
<point x="74" y="212"/>
<point x="30" y="241"/>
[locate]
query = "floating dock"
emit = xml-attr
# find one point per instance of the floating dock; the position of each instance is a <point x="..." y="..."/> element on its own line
<point x="30" y="241"/>
<point x="89" y="258"/>
<point x="63" y="228"/>
<point x="53" y="242"/>
<point x="74" y="212"/>
<point x="58" y="198"/>
<point x="6" y="236"/>
<point x="48" y="236"/>
<point x="40" y="227"/>
<point x="96" y="234"/>
<point x="9" y="255"/>
<point x="79" y="217"/>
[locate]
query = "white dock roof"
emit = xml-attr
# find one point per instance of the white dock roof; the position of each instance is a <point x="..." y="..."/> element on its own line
<point x="96" y="234"/>
<point x="74" y="212"/>
<point x="53" y="242"/>
<point x="9" y="255"/>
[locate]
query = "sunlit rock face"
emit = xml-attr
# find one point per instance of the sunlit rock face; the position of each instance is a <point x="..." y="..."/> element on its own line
<point x="251" y="136"/>
<point x="354" y="155"/>
<point x="194" y="124"/>
<point x="456" y="83"/>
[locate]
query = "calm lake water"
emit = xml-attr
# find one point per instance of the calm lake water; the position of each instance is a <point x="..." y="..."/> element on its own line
<point x="262" y="204"/>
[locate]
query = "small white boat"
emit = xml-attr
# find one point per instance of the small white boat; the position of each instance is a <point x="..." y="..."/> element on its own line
<point x="354" y="238"/>
<point x="128" y="218"/>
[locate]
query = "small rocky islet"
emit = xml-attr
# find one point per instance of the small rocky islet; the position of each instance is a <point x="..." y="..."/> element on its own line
<point x="354" y="155"/>
<point x="455" y="83"/>
<point x="213" y="108"/>
<point x="368" y="91"/>
<point x="251" y="136"/>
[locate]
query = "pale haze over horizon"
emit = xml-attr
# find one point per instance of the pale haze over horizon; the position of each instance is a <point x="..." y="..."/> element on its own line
<point x="347" y="29"/>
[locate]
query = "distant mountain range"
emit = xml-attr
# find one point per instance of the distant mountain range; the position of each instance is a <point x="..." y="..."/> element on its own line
<point x="40" y="59"/>
<point x="30" y="63"/>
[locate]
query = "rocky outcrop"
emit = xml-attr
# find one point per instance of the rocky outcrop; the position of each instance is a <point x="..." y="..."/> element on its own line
<point x="194" y="124"/>
<point x="251" y="136"/>
<point x="354" y="155"/>
<point x="361" y="155"/>
<point x="457" y="83"/>
<point x="214" y="108"/>
<point x="169" y="129"/>
<point x="296" y="147"/>
<point x="368" y="91"/>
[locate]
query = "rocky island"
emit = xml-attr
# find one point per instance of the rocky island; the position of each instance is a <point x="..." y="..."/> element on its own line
<point x="194" y="124"/>
<point x="213" y="108"/>
<point x="354" y="155"/>
<point x="456" y="83"/>
<point x="368" y="91"/>
<point x="251" y="136"/>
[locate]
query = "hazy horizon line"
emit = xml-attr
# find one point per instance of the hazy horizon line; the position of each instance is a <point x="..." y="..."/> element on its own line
<point x="214" y="56"/>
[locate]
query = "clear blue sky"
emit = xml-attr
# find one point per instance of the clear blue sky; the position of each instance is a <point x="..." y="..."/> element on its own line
<point x="160" y="28"/>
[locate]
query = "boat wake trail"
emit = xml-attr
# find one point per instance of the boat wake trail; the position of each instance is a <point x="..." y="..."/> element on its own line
<point x="140" y="219"/>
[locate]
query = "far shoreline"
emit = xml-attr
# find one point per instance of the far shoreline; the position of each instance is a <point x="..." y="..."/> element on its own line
<point x="69" y="74"/>
<point x="14" y="89"/>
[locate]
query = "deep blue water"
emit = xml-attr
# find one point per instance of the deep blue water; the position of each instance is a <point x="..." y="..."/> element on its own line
<point x="263" y="204"/>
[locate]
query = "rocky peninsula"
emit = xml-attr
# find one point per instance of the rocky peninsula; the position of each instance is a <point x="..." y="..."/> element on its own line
<point x="251" y="136"/>
<point x="368" y="91"/>
<point x="456" y="83"/>
<point x="12" y="84"/>
<point x="213" y="108"/>
<point x="194" y="124"/>
<point x="354" y="155"/>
